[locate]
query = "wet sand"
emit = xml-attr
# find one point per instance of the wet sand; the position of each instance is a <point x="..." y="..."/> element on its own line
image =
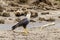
<point x="48" y="33"/>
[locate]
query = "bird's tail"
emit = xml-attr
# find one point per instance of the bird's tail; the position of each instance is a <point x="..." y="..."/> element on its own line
<point x="13" y="27"/>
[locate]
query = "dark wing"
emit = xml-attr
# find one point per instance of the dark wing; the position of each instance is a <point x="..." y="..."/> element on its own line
<point x="19" y="24"/>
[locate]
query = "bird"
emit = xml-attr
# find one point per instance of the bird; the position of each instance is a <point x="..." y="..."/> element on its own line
<point x="23" y="23"/>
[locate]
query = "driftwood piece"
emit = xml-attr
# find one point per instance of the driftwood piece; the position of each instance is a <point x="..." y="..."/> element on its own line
<point x="44" y="26"/>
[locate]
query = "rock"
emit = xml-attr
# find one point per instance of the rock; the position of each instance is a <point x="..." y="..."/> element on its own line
<point x="6" y="14"/>
<point x="1" y="8"/>
<point x="58" y="16"/>
<point x="2" y="21"/>
<point x="48" y="8"/>
<point x="10" y="18"/>
<point x="24" y="9"/>
<point x="50" y="19"/>
<point x="34" y="14"/>
<point x="1" y="13"/>
<point x="18" y="14"/>
<point x="18" y="19"/>
<point x="41" y="19"/>
<point x="32" y="21"/>
<point x="44" y="13"/>
<point x="22" y="1"/>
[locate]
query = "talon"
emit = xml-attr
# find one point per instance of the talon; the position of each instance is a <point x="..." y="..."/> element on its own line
<point x="13" y="31"/>
<point x="26" y="31"/>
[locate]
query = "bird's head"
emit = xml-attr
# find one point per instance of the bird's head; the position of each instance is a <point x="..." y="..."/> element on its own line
<point x="28" y="15"/>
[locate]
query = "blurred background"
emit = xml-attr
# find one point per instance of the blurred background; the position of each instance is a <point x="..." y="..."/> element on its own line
<point x="42" y="12"/>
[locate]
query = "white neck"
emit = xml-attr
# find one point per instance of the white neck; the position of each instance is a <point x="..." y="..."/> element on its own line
<point x="28" y="15"/>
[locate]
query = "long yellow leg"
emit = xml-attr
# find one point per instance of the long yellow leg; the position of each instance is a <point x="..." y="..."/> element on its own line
<point x="25" y="31"/>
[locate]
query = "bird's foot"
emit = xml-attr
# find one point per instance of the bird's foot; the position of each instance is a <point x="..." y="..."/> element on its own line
<point x="13" y="31"/>
<point x="26" y="32"/>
